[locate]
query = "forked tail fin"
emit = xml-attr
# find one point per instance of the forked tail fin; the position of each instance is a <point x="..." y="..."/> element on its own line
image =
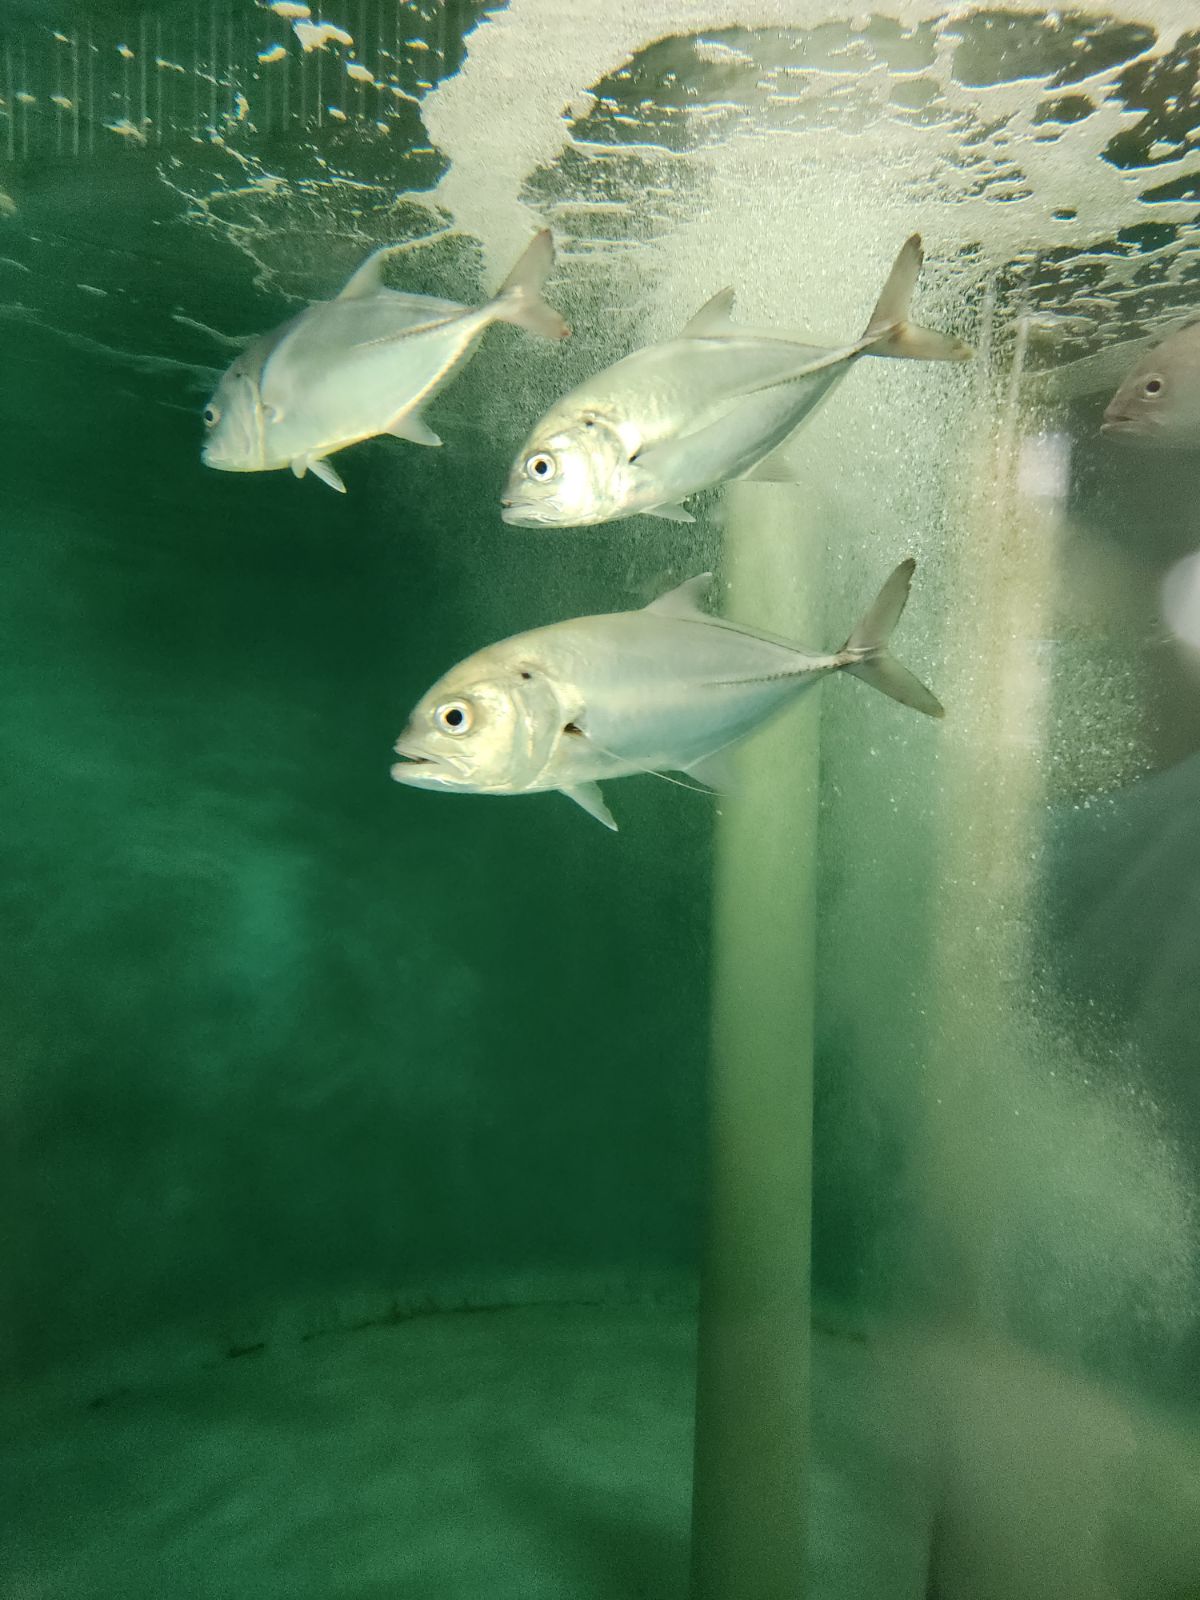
<point x="519" y="299"/>
<point x="890" y="333"/>
<point x="865" y="652"/>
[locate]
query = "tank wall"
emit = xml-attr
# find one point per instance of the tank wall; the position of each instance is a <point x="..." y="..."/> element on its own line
<point x="275" y="1029"/>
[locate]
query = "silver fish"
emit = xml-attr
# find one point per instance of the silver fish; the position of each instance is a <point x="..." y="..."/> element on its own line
<point x="1159" y="402"/>
<point x="360" y="365"/>
<point x="667" y="688"/>
<point x="707" y="406"/>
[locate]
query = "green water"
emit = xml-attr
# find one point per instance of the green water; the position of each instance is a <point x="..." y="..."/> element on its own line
<point x="355" y="1151"/>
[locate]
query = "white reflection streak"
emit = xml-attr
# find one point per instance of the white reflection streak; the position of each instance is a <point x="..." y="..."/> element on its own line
<point x="1180" y="597"/>
<point x="1044" y="466"/>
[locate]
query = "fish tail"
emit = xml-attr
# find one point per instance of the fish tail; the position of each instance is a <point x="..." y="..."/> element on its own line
<point x="866" y="655"/>
<point x="520" y="297"/>
<point x="890" y="333"/>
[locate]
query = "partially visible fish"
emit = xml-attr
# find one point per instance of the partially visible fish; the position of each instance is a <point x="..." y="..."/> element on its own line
<point x="1088" y="375"/>
<point x="667" y="688"/>
<point x="363" y="364"/>
<point x="1159" y="402"/>
<point x="1180" y="592"/>
<point x="709" y="405"/>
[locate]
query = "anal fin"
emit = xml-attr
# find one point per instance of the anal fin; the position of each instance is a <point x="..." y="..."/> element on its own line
<point x="669" y="513"/>
<point x="773" y="468"/>
<point x="411" y="427"/>
<point x="715" y="771"/>
<point x="589" y="797"/>
<point x="319" y="469"/>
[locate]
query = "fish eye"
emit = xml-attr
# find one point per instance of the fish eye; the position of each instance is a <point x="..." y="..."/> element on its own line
<point x="541" y="467"/>
<point x="456" y="716"/>
<point x="212" y="415"/>
<point x="1152" y="386"/>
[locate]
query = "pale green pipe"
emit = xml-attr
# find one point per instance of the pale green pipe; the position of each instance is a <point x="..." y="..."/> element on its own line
<point x="752" y="1410"/>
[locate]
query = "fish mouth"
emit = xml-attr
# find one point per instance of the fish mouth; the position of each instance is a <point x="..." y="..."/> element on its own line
<point x="223" y="463"/>
<point x="1132" y="430"/>
<point x="420" y="771"/>
<point x="517" y="515"/>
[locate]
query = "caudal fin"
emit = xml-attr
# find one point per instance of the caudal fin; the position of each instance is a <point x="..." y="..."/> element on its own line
<point x="866" y="655"/>
<point x="890" y="333"/>
<point x="520" y="297"/>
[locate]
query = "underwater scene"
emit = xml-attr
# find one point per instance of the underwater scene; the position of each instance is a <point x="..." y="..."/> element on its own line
<point x="600" y="696"/>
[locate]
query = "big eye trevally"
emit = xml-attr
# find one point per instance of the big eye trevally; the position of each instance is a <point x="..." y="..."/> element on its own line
<point x="360" y="365"/>
<point x="709" y="405"/>
<point x="665" y="689"/>
<point x="1159" y="402"/>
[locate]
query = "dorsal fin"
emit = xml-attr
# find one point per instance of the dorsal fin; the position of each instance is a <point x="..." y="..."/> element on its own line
<point x="685" y="600"/>
<point x="713" y="318"/>
<point x="368" y="278"/>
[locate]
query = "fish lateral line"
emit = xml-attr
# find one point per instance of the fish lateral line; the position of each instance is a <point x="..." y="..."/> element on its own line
<point x="820" y="664"/>
<point x="410" y="332"/>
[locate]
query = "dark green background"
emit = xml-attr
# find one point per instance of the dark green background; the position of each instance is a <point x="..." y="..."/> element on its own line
<point x="272" y="1025"/>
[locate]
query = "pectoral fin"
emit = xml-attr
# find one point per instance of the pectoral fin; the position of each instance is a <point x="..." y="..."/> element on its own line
<point x="411" y="427"/>
<point x="669" y="513"/>
<point x="589" y="797"/>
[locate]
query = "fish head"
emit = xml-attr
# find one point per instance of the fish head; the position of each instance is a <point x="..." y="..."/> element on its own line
<point x="489" y="726"/>
<point x="234" y="423"/>
<point x="569" y="474"/>
<point x="1159" y="402"/>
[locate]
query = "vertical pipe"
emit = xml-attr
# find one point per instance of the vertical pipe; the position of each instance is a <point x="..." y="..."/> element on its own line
<point x="749" y="1505"/>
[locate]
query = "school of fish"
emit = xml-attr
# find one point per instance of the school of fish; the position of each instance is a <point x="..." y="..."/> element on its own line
<point x="668" y="688"/>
